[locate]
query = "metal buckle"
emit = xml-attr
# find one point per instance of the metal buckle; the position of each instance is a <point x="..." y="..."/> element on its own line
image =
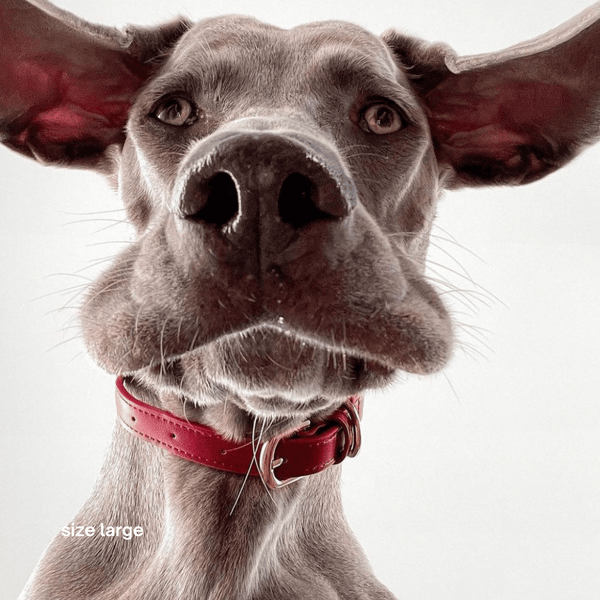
<point x="347" y="417"/>
<point x="353" y="431"/>
<point x="267" y="462"/>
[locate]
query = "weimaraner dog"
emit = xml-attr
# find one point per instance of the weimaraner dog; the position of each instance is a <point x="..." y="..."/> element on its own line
<point x="282" y="185"/>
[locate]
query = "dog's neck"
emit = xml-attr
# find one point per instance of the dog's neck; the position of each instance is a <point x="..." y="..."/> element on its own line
<point x="203" y="539"/>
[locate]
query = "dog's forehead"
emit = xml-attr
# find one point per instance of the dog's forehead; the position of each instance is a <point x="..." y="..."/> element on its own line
<point x="252" y="43"/>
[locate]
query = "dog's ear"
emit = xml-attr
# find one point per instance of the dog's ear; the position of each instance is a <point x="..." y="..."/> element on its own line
<point x="66" y="86"/>
<point x="513" y="116"/>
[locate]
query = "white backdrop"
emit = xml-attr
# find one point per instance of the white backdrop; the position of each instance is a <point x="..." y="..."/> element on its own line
<point x="482" y="482"/>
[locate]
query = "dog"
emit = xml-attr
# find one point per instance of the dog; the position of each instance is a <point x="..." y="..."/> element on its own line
<point x="282" y="186"/>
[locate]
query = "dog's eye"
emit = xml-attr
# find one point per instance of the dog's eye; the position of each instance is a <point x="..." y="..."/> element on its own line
<point x="382" y="119"/>
<point x="176" y="111"/>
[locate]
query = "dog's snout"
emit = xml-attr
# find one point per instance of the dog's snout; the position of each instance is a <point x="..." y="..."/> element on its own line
<point x="264" y="183"/>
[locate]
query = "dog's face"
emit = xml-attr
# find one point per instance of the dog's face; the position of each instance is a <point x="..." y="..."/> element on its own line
<point x="282" y="185"/>
<point x="305" y="282"/>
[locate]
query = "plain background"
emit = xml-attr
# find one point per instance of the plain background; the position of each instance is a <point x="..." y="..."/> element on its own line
<point x="481" y="482"/>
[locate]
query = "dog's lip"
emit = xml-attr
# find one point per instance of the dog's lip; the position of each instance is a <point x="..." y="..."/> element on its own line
<point x="257" y="388"/>
<point x="279" y="326"/>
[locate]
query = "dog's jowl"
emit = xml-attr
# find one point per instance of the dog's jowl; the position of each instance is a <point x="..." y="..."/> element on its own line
<point x="282" y="185"/>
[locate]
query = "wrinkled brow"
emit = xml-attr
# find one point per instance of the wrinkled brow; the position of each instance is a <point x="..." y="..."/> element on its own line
<point x="208" y="75"/>
<point x="355" y="71"/>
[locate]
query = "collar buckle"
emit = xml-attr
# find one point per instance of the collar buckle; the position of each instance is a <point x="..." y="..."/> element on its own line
<point x="348" y="417"/>
<point x="267" y="463"/>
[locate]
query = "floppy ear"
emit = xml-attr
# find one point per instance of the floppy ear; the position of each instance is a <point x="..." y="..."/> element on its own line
<point x="513" y="116"/>
<point x="66" y="86"/>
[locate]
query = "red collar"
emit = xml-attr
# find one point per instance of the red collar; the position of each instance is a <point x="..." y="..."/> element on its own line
<point x="306" y="450"/>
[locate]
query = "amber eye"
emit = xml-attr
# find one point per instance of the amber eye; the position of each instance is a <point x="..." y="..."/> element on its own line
<point x="382" y="119"/>
<point x="176" y="111"/>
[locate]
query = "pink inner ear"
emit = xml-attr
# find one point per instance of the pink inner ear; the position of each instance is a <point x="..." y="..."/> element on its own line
<point x="85" y="109"/>
<point x="58" y="87"/>
<point x="63" y="107"/>
<point x="497" y="120"/>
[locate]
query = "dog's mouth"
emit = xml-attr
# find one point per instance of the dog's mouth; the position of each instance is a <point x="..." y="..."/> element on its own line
<point x="270" y="370"/>
<point x="293" y="345"/>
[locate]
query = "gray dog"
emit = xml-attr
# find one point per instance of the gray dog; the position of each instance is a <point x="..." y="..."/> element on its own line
<point x="282" y="185"/>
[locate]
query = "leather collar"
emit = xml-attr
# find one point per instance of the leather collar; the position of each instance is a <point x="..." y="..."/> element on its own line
<point x="306" y="450"/>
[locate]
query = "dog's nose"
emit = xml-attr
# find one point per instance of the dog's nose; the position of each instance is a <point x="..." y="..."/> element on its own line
<point x="261" y="188"/>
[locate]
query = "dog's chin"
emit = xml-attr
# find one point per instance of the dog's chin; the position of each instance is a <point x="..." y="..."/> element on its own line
<point x="280" y="407"/>
<point x="269" y="372"/>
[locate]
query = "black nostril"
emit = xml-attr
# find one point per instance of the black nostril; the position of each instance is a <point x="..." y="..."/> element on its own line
<point x="218" y="198"/>
<point x="297" y="202"/>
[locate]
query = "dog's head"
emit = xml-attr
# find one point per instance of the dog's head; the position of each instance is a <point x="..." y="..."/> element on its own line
<point x="282" y="185"/>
